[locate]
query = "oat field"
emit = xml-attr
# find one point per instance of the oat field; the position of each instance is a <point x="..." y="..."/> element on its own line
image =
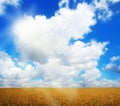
<point x="60" y="97"/>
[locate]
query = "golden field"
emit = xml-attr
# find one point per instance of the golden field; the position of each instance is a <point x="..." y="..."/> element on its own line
<point x="60" y="97"/>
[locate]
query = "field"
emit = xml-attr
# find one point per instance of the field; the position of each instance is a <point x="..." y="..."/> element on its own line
<point x="60" y="97"/>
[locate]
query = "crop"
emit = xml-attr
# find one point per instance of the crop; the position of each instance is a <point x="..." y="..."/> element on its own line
<point x="60" y="97"/>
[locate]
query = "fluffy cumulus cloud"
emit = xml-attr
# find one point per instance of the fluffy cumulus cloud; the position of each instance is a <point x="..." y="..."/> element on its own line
<point x="40" y="38"/>
<point x="14" y="74"/>
<point x="115" y="58"/>
<point x="113" y="64"/>
<point x="54" y="61"/>
<point x="3" y="4"/>
<point x="101" y="7"/>
<point x="113" y="67"/>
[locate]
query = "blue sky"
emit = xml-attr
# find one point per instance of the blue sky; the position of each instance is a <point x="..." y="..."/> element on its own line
<point x="59" y="43"/>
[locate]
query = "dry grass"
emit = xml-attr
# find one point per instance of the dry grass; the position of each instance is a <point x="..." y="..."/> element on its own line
<point x="60" y="97"/>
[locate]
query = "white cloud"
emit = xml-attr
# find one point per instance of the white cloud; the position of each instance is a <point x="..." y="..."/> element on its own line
<point x="3" y="4"/>
<point x="101" y="4"/>
<point x="115" y="58"/>
<point x="52" y="74"/>
<point x="104" y="4"/>
<point x="63" y="74"/>
<point x="40" y="38"/>
<point x="12" y="75"/>
<point x="112" y="65"/>
<point x="81" y="53"/>
<point x="103" y="7"/>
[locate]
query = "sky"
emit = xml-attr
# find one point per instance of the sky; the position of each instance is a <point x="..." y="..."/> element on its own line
<point x="59" y="43"/>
